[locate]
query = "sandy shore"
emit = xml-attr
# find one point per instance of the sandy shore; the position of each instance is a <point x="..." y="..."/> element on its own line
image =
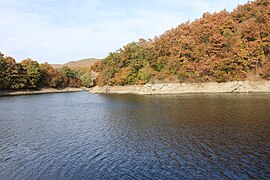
<point x="42" y="91"/>
<point x="178" y="88"/>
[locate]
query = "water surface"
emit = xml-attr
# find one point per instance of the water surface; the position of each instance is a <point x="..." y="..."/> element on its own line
<point x="85" y="136"/>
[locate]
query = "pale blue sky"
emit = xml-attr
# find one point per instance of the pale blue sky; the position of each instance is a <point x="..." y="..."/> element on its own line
<point x="57" y="31"/>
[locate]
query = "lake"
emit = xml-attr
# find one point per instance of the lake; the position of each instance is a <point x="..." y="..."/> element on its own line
<point x="87" y="136"/>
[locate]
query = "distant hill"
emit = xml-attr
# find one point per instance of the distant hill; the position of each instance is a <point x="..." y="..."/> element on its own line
<point x="80" y="64"/>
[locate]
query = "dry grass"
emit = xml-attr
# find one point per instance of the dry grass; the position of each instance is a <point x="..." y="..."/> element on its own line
<point x="83" y="64"/>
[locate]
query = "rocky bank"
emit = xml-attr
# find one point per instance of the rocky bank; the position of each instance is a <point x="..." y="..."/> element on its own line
<point x="178" y="88"/>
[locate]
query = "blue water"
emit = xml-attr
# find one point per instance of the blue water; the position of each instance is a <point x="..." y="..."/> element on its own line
<point x="86" y="136"/>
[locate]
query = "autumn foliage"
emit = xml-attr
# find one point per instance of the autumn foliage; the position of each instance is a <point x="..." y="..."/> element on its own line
<point x="224" y="46"/>
<point x="29" y="74"/>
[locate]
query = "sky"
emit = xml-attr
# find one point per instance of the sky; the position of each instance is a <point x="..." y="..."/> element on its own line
<point x="57" y="31"/>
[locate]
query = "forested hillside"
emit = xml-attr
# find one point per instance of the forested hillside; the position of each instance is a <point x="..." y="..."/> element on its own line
<point x="29" y="74"/>
<point x="220" y="47"/>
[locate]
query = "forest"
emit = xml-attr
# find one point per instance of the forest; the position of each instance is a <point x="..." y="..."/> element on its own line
<point x="29" y="74"/>
<point x="220" y="47"/>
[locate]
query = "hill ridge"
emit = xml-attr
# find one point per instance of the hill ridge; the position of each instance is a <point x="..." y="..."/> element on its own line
<point x="82" y="63"/>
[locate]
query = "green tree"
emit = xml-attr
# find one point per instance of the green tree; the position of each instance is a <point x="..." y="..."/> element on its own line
<point x="12" y="75"/>
<point x="73" y="77"/>
<point x="33" y="73"/>
<point x="87" y="80"/>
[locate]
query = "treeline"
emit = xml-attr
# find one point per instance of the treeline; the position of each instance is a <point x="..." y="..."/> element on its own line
<point x="218" y="47"/>
<point x="29" y="74"/>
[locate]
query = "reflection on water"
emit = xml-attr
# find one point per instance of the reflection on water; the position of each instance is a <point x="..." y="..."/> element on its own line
<point x="84" y="136"/>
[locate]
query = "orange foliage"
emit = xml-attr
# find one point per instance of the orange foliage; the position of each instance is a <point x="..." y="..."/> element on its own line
<point x="217" y="47"/>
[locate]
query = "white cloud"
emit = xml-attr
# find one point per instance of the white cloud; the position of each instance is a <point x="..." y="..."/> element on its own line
<point x="57" y="32"/>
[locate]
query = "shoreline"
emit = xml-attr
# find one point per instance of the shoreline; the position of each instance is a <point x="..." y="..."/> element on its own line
<point x="42" y="91"/>
<point x="187" y="88"/>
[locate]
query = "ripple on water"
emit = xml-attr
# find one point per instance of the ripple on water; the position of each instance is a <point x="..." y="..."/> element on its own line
<point x="83" y="136"/>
